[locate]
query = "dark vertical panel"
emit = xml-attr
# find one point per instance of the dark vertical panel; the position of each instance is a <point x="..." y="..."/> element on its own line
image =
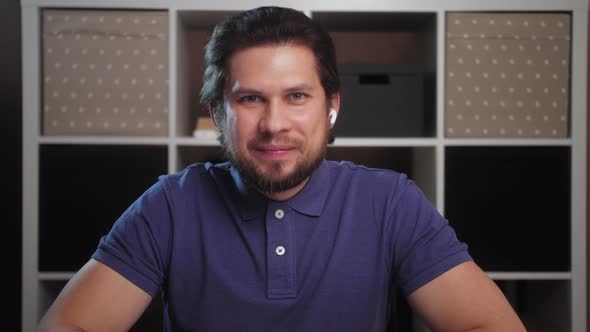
<point x="11" y="165"/>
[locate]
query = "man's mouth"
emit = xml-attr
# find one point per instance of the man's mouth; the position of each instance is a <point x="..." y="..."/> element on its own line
<point x="274" y="151"/>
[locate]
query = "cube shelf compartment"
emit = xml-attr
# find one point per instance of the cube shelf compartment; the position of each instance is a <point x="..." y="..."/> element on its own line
<point x="511" y="205"/>
<point x="193" y="30"/>
<point x="83" y="190"/>
<point x="388" y="65"/>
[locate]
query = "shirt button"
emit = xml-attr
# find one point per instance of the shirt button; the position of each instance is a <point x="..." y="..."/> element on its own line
<point x="279" y="214"/>
<point x="280" y="250"/>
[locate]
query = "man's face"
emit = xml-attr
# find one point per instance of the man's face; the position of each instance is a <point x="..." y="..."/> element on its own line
<point x="276" y="117"/>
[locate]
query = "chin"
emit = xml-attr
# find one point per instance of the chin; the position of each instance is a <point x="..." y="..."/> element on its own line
<point x="277" y="170"/>
<point x="273" y="175"/>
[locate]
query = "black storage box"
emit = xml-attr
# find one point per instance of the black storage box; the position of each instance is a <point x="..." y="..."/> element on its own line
<point x="383" y="101"/>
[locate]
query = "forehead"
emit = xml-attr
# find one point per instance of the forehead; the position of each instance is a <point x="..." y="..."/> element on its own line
<point x="273" y="67"/>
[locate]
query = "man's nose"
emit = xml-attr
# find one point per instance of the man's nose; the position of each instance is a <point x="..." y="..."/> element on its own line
<point x="275" y="118"/>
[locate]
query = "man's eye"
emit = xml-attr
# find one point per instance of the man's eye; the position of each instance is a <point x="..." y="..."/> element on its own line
<point x="249" y="99"/>
<point x="298" y="96"/>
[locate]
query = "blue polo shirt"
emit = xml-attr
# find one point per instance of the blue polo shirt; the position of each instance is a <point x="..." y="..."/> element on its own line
<point x="229" y="259"/>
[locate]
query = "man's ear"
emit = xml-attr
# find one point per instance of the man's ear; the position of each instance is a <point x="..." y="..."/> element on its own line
<point x="335" y="105"/>
<point x="215" y="116"/>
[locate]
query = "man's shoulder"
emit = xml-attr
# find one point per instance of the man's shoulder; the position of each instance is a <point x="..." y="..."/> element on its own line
<point x="196" y="171"/>
<point x="348" y="170"/>
<point x="195" y="176"/>
<point x="369" y="182"/>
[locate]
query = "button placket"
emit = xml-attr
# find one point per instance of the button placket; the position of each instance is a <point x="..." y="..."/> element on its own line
<point x="280" y="259"/>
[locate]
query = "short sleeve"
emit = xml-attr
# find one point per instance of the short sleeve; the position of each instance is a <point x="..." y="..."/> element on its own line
<point x="424" y="244"/>
<point x="137" y="246"/>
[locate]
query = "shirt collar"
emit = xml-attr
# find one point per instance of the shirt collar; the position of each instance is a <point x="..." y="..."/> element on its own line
<point x="309" y="201"/>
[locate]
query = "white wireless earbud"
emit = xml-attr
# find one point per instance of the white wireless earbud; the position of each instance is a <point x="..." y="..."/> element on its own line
<point x="333" y="115"/>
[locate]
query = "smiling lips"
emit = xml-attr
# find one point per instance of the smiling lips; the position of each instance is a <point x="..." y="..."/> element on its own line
<point x="274" y="151"/>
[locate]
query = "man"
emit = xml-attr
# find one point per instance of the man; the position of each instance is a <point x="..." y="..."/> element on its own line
<point x="279" y="239"/>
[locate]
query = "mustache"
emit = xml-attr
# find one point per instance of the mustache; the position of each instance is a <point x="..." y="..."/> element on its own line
<point x="279" y="139"/>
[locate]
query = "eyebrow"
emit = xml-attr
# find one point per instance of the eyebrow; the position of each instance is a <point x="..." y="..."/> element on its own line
<point x="246" y="91"/>
<point x="301" y="87"/>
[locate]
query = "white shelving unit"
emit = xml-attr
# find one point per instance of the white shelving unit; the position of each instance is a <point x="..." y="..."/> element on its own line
<point x="427" y="155"/>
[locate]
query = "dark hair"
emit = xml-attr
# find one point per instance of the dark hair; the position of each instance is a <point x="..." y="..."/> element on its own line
<point x="264" y="26"/>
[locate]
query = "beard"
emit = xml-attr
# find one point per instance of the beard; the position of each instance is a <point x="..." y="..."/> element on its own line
<point x="274" y="181"/>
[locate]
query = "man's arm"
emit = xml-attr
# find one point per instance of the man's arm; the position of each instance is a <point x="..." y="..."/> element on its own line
<point x="465" y="299"/>
<point x="96" y="299"/>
